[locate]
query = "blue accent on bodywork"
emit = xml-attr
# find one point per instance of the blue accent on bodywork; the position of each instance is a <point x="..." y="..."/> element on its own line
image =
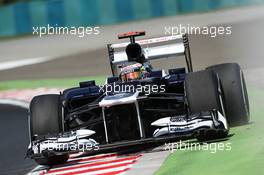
<point x="156" y="73"/>
<point x="81" y="92"/>
<point x="176" y="78"/>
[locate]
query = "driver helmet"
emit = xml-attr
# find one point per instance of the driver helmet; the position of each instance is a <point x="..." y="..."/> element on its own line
<point x="135" y="71"/>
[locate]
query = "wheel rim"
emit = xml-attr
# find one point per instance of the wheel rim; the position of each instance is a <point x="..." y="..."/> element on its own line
<point x="220" y="94"/>
<point x="245" y="101"/>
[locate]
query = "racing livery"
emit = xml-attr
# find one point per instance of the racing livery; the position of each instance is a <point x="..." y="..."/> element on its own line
<point x="139" y="104"/>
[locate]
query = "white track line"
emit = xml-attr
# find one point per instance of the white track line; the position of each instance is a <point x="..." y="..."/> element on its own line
<point x="83" y="162"/>
<point x="103" y="171"/>
<point x="15" y="102"/>
<point x="87" y="167"/>
<point x="23" y="62"/>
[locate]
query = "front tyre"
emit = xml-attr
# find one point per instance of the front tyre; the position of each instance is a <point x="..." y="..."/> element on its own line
<point x="46" y="118"/>
<point x="233" y="82"/>
<point x="204" y="92"/>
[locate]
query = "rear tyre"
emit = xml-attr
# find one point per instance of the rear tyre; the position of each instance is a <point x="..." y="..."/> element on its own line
<point x="46" y="118"/>
<point x="233" y="82"/>
<point x="204" y="93"/>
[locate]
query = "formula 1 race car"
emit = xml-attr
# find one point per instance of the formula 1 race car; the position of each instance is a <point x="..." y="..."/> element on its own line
<point x="139" y="104"/>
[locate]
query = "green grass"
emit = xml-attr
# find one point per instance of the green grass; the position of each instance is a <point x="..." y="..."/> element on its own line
<point x="60" y="83"/>
<point x="245" y="157"/>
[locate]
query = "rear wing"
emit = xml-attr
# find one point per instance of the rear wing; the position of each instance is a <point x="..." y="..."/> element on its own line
<point x="154" y="48"/>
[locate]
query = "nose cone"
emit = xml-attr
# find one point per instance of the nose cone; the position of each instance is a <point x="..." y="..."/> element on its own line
<point x="84" y="132"/>
<point x="161" y="122"/>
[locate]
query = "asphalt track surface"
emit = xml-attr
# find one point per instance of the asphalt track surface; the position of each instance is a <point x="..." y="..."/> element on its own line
<point x="14" y="141"/>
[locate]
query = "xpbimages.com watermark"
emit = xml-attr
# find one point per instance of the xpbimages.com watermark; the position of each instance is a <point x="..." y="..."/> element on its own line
<point x="186" y="146"/>
<point x="79" y="31"/>
<point x="212" y="31"/>
<point x="53" y="145"/>
<point x="126" y="88"/>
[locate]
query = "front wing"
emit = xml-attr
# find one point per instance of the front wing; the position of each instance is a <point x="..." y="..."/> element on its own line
<point x="168" y="129"/>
